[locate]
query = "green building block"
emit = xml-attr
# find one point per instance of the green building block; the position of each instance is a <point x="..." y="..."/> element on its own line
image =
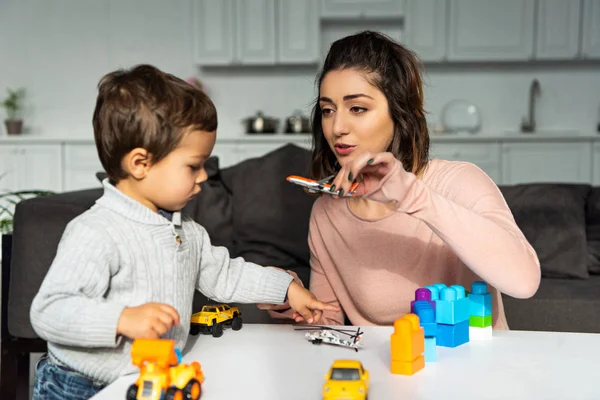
<point x="480" y="322"/>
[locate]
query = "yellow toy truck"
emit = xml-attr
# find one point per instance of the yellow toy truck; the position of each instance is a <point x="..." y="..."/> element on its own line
<point x="162" y="375"/>
<point x="212" y="318"/>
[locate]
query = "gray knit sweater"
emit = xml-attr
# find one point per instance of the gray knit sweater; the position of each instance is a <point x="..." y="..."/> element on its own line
<point x="120" y="253"/>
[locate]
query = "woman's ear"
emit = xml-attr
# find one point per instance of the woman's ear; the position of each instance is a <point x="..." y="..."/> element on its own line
<point x="137" y="163"/>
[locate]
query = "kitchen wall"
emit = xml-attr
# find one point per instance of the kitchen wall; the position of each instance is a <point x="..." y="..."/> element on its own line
<point x="59" y="49"/>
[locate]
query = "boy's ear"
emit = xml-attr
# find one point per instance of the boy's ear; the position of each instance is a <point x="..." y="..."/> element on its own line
<point x="137" y="163"/>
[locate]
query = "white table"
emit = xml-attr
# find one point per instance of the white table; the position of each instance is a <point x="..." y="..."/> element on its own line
<point x="276" y="362"/>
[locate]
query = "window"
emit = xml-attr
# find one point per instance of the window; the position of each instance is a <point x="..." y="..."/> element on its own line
<point x="345" y="374"/>
<point x="146" y="388"/>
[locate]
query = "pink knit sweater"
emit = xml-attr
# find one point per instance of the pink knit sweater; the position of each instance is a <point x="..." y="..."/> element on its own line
<point x="452" y="226"/>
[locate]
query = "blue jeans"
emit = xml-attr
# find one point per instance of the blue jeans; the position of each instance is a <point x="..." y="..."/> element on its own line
<point x="57" y="382"/>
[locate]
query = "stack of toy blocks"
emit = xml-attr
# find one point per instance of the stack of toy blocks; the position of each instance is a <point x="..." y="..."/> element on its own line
<point x="480" y="320"/>
<point x="424" y="307"/>
<point x="452" y="312"/>
<point x="407" y="346"/>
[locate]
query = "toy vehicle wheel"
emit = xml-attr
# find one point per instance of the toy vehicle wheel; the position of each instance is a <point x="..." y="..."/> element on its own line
<point x="174" y="393"/>
<point x="132" y="392"/>
<point x="192" y="390"/>
<point x="194" y="329"/>
<point x="317" y="341"/>
<point x="217" y="329"/>
<point x="237" y="323"/>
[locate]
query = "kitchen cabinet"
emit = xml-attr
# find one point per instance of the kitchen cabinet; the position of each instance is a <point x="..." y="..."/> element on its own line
<point x="488" y="30"/>
<point x="299" y="31"/>
<point x="31" y="167"/>
<point x="557" y="29"/>
<point x="590" y="35"/>
<point x="81" y="165"/>
<point x="425" y="29"/>
<point x="557" y="162"/>
<point x="255" y="32"/>
<point x="485" y="155"/>
<point x="352" y="9"/>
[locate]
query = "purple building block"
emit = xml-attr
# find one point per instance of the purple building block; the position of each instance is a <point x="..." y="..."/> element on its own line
<point x="422" y="294"/>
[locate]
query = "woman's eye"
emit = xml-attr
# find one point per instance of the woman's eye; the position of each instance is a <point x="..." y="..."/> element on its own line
<point x="358" y="110"/>
<point x="326" y="111"/>
<point x="196" y="168"/>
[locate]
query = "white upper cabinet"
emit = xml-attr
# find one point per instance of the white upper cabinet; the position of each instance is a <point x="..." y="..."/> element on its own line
<point x="546" y="162"/>
<point x="31" y="167"/>
<point x="299" y="33"/>
<point x="558" y="23"/>
<point x="214" y="39"/>
<point x="487" y="30"/>
<point x="590" y="46"/>
<point x="352" y="9"/>
<point x="425" y="28"/>
<point x="255" y="32"/>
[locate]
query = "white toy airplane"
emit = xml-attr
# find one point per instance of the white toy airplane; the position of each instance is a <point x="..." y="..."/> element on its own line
<point x="328" y="335"/>
<point x="319" y="186"/>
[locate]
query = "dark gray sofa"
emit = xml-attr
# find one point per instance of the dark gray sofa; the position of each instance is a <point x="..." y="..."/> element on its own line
<point x="250" y="209"/>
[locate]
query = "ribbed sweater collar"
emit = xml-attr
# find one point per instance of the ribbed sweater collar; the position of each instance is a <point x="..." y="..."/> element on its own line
<point x="124" y="205"/>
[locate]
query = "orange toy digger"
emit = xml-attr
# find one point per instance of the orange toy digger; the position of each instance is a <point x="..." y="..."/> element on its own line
<point x="162" y="375"/>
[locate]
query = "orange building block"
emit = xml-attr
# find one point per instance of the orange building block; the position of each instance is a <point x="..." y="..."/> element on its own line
<point x="407" y="346"/>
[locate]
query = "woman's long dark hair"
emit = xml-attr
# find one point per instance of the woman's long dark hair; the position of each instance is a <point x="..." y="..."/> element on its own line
<point x="394" y="70"/>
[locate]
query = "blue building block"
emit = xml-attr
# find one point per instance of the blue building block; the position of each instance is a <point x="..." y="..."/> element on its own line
<point x="453" y="306"/>
<point x="435" y="292"/>
<point x="426" y="315"/>
<point x="481" y="300"/>
<point x="453" y="335"/>
<point x="430" y="351"/>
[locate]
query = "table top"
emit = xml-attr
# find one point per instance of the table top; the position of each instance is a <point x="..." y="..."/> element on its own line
<point x="276" y="362"/>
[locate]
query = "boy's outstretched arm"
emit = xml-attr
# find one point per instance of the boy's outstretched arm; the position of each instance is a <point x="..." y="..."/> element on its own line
<point x="70" y="308"/>
<point x="227" y="280"/>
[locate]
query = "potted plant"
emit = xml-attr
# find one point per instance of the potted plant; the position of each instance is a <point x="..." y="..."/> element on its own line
<point x="12" y="103"/>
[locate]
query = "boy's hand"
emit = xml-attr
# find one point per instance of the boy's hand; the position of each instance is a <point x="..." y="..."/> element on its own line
<point x="149" y="321"/>
<point x="306" y="305"/>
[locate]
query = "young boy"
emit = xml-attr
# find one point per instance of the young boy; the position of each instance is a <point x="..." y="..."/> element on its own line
<point x="127" y="268"/>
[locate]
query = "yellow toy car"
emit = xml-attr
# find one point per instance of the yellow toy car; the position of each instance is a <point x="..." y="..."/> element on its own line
<point x="212" y="318"/>
<point x="346" y="379"/>
<point x="162" y="375"/>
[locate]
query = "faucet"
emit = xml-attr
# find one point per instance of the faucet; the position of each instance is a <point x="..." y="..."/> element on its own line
<point x="529" y="125"/>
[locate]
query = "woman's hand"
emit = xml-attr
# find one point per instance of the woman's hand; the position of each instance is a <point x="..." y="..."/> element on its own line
<point x="369" y="169"/>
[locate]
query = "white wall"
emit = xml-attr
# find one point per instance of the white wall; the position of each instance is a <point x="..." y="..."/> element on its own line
<point x="59" y="49"/>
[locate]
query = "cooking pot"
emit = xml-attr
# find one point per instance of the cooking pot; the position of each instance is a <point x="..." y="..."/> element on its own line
<point x="260" y="123"/>
<point x="297" y="123"/>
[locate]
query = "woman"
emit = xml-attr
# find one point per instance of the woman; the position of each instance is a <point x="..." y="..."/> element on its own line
<point x="412" y="221"/>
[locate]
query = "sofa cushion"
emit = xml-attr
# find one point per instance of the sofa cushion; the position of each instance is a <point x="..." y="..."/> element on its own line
<point x="270" y="215"/>
<point x="212" y="207"/>
<point x="552" y="218"/>
<point x="563" y="305"/>
<point x="593" y="231"/>
<point x="39" y="225"/>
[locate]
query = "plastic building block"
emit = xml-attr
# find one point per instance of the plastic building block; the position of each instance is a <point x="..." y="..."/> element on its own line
<point x="426" y="315"/>
<point x="407" y="346"/>
<point x="435" y="291"/>
<point x="452" y="307"/>
<point x="481" y="299"/>
<point x="422" y="294"/>
<point x="430" y="351"/>
<point x="474" y="334"/>
<point x="453" y="335"/>
<point x="480" y="322"/>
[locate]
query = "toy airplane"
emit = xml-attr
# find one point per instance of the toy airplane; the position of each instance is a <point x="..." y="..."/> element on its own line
<point x="328" y="335"/>
<point x="322" y="186"/>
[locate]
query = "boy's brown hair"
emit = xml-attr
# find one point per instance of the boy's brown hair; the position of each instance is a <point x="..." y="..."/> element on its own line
<point x="145" y="107"/>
